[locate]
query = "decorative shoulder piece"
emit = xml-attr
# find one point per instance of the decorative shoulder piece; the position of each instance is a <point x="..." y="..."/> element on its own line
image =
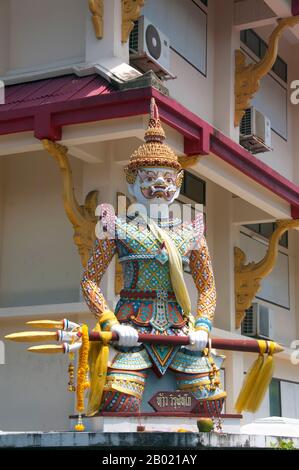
<point x="105" y="228"/>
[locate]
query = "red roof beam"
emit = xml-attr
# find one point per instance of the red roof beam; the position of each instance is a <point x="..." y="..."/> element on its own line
<point x="195" y="130"/>
<point x="47" y="120"/>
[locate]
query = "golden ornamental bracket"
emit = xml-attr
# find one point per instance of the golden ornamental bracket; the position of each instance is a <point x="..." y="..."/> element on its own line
<point x="248" y="277"/>
<point x="130" y="13"/>
<point x="97" y="10"/>
<point x="248" y="76"/>
<point x="82" y="217"/>
<point x="188" y="162"/>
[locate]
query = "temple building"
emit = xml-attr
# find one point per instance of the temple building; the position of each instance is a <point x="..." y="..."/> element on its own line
<point x="77" y="81"/>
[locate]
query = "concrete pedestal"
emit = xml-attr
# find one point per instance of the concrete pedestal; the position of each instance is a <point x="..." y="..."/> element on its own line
<point x="163" y="422"/>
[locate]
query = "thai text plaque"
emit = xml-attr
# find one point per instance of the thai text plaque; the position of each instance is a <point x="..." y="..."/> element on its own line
<point x="173" y="401"/>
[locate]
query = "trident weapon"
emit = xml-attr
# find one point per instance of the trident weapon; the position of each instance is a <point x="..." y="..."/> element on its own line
<point x="69" y="335"/>
<point x="73" y="337"/>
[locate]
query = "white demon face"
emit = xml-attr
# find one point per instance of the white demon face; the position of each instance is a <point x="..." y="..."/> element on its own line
<point x="156" y="186"/>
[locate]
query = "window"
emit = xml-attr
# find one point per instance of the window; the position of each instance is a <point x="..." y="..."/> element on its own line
<point x="289" y="399"/>
<point x="281" y="69"/>
<point x="284" y="398"/>
<point x="184" y="22"/>
<point x="266" y="231"/>
<point x="272" y="97"/>
<point x="275" y="397"/>
<point x="259" y="47"/>
<point x="194" y="188"/>
<point x="252" y="41"/>
<point x="193" y="192"/>
<point x="275" y="288"/>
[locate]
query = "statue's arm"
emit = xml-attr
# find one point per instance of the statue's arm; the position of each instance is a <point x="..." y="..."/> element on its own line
<point x="203" y="276"/>
<point x="102" y="254"/>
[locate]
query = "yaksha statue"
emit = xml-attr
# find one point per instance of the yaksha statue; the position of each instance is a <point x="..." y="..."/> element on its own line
<point x="153" y="249"/>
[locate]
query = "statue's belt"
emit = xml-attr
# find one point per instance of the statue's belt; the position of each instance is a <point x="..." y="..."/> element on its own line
<point x="147" y="294"/>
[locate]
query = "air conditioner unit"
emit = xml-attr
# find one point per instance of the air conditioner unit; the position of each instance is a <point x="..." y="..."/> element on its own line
<point x="149" y="49"/>
<point x="258" y="322"/>
<point x="255" y="131"/>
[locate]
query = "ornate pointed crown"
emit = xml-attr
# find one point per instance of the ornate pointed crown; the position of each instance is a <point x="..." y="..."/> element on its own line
<point x="154" y="153"/>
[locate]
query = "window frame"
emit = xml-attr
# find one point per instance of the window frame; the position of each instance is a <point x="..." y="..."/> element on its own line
<point x="199" y="180"/>
<point x="283" y="85"/>
<point x="201" y="4"/>
<point x="281" y="82"/>
<point x="285" y="251"/>
<point x="204" y="9"/>
<point x="262" y="47"/>
<point x="183" y="199"/>
<point x="278" y="381"/>
<point x="249" y="227"/>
